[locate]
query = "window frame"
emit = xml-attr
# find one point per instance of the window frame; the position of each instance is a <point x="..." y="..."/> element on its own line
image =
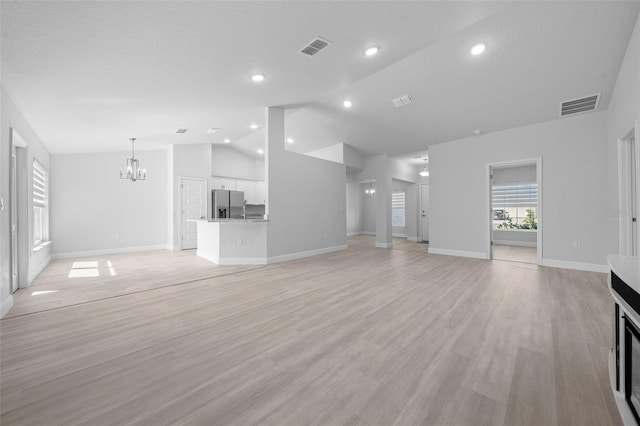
<point x="398" y="203"/>
<point x="518" y="195"/>
<point x="40" y="211"/>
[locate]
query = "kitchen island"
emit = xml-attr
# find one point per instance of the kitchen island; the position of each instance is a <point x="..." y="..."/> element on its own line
<point x="233" y="241"/>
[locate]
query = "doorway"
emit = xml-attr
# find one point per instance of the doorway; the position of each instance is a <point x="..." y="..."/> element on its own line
<point x="515" y="211"/>
<point x="193" y="205"/>
<point x="424" y="213"/>
<point x="628" y="166"/>
<point x="18" y="211"/>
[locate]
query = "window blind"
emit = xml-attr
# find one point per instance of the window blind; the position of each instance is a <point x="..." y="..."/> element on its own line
<point x="397" y="199"/>
<point x="515" y="195"/>
<point x="397" y="208"/>
<point x="39" y="185"/>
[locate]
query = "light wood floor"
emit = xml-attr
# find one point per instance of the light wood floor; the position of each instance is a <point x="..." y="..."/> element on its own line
<point x="362" y="336"/>
<point x="515" y="253"/>
<point x="67" y="282"/>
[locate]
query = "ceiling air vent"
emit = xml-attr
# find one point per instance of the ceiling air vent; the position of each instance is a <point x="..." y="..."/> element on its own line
<point x="402" y="101"/>
<point x="589" y="103"/>
<point x="315" y="46"/>
<point x="181" y="130"/>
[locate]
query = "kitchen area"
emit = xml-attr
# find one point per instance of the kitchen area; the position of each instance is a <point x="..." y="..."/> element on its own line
<point x="235" y="204"/>
<point x="235" y="231"/>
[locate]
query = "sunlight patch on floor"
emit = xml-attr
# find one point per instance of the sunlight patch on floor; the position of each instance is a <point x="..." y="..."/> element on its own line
<point x="90" y="269"/>
<point x="38" y="293"/>
<point x="81" y="265"/>
<point x="84" y="273"/>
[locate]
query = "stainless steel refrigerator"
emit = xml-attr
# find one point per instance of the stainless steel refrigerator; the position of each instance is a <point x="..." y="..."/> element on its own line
<point x="227" y="204"/>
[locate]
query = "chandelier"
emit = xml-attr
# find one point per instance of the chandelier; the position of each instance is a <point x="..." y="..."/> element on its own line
<point x="425" y="172"/>
<point x="371" y="191"/>
<point x="134" y="172"/>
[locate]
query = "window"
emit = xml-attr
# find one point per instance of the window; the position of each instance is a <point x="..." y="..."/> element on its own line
<point x="40" y="205"/>
<point x="397" y="208"/>
<point x="515" y="206"/>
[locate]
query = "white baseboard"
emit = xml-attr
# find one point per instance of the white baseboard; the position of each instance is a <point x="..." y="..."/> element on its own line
<point x="87" y="253"/>
<point x="233" y="261"/>
<point x="384" y="245"/>
<point x="207" y="256"/>
<point x="580" y="266"/>
<point x="301" y="254"/>
<point x="514" y="243"/>
<point x="399" y="235"/>
<point x="459" y="253"/>
<point x="6" y="306"/>
<point x="368" y="233"/>
<point x="353" y="234"/>
<point x="414" y="239"/>
<point x="33" y="274"/>
<point x="243" y="261"/>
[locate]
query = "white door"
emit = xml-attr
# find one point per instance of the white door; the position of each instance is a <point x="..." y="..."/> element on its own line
<point x="14" y="221"/>
<point x="634" y="198"/>
<point x="628" y="160"/>
<point x="424" y="212"/>
<point x="194" y="206"/>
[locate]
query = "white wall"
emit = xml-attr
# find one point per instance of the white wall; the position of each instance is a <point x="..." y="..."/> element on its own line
<point x="573" y="176"/>
<point x="521" y="174"/>
<point x="333" y="153"/>
<point x="624" y="110"/>
<point x="170" y="190"/>
<point x="93" y="210"/>
<point x="230" y="163"/>
<point x="369" y="212"/>
<point x="512" y="237"/>
<point x="352" y="158"/>
<point x="31" y="262"/>
<point x="354" y="208"/>
<point x="306" y="198"/>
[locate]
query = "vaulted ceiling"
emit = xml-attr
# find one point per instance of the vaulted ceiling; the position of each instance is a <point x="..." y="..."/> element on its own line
<point x="89" y="75"/>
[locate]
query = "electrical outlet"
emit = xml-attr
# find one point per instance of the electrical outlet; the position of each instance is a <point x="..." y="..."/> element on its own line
<point x="239" y="243"/>
<point x="577" y="244"/>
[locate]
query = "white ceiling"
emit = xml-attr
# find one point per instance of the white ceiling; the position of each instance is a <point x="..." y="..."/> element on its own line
<point x="89" y="75"/>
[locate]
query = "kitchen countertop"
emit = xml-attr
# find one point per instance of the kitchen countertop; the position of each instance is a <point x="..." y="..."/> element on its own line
<point x="627" y="268"/>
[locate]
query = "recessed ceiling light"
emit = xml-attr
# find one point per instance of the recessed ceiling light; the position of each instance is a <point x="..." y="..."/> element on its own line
<point x="213" y="130"/>
<point x="261" y="151"/>
<point x="289" y="140"/>
<point x="254" y="126"/>
<point x="227" y="140"/>
<point x="257" y="77"/>
<point x="347" y="103"/>
<point x="478" y="49"/>
<point x="371" y="51"/>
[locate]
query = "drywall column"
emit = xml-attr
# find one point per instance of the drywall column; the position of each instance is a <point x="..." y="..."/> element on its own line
<point x="274" y="122"/>
<point x="171" y="242"/>
<point x="383" y="205"/>
<point x="306" y="198"/>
